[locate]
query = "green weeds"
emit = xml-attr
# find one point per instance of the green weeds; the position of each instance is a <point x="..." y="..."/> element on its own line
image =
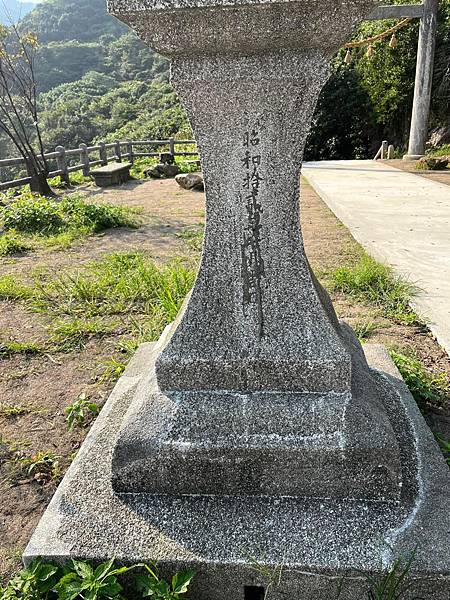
<point x="372" y="282"/>
<point x="365" y="330"/>
<point x="73" y="333"/>
<point x="43" y="467"/>
<point x="395" y="583"/>
<point x="124" y="283"/>
<point x="192" y="237"/>
<point x="13" y="410"/>
<point x="81" y="412"/>
<point x="125" y="294"/>
<point x="80" y="580"/>
<point x="11" y="348"/>
<point x="12" y="289"/>
<point x="430" y="390"/>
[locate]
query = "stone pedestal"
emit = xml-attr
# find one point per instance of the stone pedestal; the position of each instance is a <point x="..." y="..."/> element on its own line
<point x="255" y="428"/>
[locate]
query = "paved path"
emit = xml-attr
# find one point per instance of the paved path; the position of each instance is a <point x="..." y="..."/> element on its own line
<point x="401" y="219"/>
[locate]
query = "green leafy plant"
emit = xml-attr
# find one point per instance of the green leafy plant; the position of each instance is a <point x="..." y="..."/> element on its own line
<point x="43" y="467"/>
<point x="85" y="582"/>
<point x="152" y="585"/>
<point x="33" y="583"/>
<point x="430" y="390"/>
<point x="81" y="412"/>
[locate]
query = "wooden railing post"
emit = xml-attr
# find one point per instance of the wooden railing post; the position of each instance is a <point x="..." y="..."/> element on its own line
<point x="172" y="148"/>
<point x="103" y="153"/>
<point x="130" y="151"/>
<point x="84" y="159"/>
<point x="391" y="152"/>
<point x="61" y="162"/>
<point x="384" y="149"/>
<point x="118" y="151"/>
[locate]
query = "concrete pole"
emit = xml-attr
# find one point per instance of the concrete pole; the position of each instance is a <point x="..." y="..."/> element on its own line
<point x="424" y="81"/>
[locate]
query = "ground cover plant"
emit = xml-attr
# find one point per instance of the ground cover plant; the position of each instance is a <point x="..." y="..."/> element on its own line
<point x="30" y="220"/>
<point x="82" y="581"/>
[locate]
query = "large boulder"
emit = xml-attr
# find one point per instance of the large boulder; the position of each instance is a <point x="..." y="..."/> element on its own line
<point x="162" y="171"/>
<point x="191" y="181"/>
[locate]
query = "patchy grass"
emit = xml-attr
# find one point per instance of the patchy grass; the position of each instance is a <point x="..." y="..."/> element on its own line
<point x="430" y="390"/>
<point x="12" y="289"/>
<point x="123" y="294"/>
<point x="365" y="329"/>
<point x="34" y="221"/>
<point x="74" y="333"/>
<point x="14" y="410"/>
<point x="123" y="283"/>
<point x="13" y="243"/>
<point x="10" y="348"/>
<point x="377" y="284"/>
<point x="193" y="237"/>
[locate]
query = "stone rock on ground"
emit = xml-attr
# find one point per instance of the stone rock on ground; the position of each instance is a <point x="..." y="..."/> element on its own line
<point x="191" y="181"/>
<point x="161" y="171"/>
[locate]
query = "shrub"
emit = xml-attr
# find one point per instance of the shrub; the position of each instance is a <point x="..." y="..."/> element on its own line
<point x="43" y="216"/>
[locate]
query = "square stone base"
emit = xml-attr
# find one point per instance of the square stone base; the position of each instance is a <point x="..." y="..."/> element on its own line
<point x="319" y="545"/>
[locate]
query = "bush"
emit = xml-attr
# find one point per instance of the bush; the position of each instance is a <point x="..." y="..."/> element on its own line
<point x="37" y="215"/>
<point x="33" y="214"/>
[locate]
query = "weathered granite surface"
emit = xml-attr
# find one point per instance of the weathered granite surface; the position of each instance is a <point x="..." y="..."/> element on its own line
<point x="316" y="541"/>
<point x="257" y="345"/>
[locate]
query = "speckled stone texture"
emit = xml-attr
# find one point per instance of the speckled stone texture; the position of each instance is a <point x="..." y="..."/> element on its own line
<point x="257" y="345"/>
<point x="317" y="542"/>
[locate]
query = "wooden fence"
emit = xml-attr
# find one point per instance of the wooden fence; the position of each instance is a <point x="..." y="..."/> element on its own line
<point x="128" y="150"/>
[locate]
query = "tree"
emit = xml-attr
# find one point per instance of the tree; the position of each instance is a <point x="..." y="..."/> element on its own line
<point x="18" y="103"/>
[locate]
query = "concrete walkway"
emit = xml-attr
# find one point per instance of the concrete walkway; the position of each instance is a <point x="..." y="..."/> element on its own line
<point x="402" y="220"/>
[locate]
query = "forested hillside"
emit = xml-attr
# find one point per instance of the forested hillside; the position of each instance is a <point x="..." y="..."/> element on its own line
<point x="97" y="80"/>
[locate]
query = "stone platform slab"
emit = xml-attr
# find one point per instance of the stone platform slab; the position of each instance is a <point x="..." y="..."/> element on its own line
<point x="319" y="543"/>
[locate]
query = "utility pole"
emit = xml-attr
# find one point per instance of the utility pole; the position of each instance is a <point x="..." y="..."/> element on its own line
<point x="424" y="81"/>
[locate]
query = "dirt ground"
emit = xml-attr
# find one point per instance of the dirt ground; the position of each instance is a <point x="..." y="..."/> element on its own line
<point x="45" y="385"/>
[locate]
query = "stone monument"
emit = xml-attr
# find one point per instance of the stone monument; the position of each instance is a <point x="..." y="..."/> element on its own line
<point x="255" y="430"/>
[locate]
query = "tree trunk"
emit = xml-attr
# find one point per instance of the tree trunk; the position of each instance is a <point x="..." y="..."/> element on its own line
<point x="39" y="184"/>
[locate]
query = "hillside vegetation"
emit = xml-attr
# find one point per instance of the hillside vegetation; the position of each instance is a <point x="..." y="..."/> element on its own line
<point x="97" y="81"/>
